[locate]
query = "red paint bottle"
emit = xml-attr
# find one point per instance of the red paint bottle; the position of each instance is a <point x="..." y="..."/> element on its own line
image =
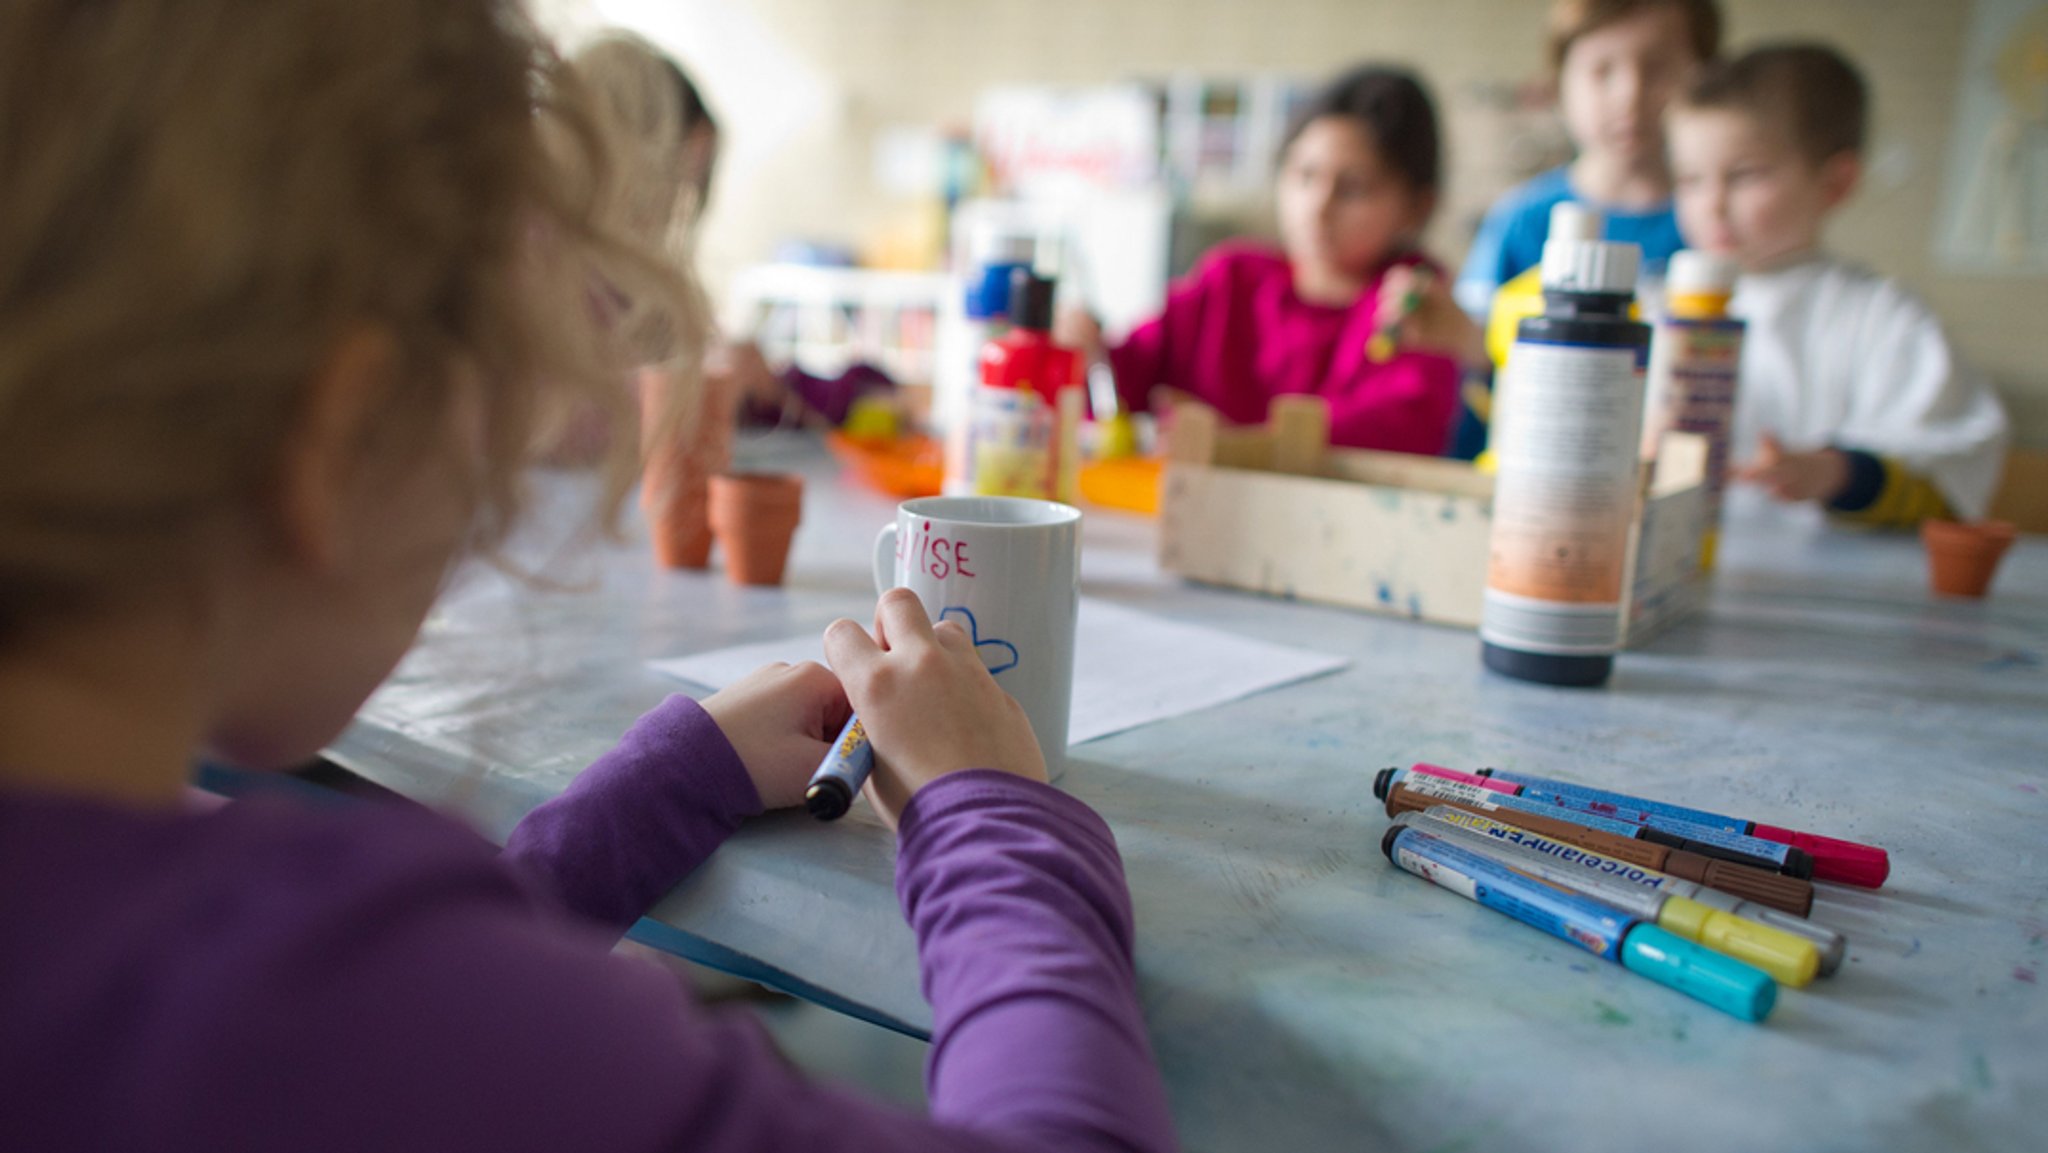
<point x="1027" y="412"/>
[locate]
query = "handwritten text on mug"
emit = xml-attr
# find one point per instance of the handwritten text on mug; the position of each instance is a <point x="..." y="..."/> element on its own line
<point x="938" y="557"/>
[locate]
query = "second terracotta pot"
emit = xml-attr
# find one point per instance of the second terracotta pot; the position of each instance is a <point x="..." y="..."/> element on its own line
<point x="1963" y="556"/>
<point x="754" y="516"/>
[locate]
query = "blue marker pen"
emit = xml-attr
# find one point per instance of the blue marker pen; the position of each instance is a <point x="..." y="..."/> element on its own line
<point x="1444" y="789"/>
<point x="1834" y="859"/>
<point x="844" y="770"/>
<point x="1723" y="982"/>
<point x="1786" y="859"/>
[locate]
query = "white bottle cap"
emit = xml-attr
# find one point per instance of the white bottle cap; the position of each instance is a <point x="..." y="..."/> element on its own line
<point x="1694" y="271"/>
<point x="1575" y="259"/>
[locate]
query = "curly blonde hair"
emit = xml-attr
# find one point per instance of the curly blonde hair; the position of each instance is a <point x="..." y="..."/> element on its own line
<point x="198" y="197"/>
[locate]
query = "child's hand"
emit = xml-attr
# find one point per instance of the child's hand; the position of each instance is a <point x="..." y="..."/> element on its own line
<point x="1796" y="476"/>
<point x="929" y="705"/>
<point x="1075" y="328"/>
<point x="1435" y="323"/>
<point x="781" y="720"/>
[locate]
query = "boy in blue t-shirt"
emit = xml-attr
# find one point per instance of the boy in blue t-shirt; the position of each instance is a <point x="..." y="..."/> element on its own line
<point x="1617" y="63"/>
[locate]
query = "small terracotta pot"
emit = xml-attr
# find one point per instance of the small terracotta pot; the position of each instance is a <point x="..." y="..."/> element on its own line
<point x="754" y="515"/>
<point x="697" y="444"/>
<point x="674" y="497"/>
<point x="1963" y="556"/>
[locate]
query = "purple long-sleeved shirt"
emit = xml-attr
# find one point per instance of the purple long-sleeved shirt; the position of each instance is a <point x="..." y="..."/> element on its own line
<point x="366" y="977"/>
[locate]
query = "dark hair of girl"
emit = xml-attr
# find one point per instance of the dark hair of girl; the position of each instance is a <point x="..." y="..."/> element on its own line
<point x="1393" y="106"/>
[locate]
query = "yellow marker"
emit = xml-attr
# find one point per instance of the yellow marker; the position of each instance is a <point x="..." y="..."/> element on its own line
<point x="1788" y="959"/>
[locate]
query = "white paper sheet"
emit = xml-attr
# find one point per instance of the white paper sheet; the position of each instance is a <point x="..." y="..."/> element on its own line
<point x="1130" y="668"/>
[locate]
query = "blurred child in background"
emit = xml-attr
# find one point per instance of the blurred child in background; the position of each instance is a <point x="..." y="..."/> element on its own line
<point x="1617" y="63"/>
<point x="1852" y="395"/>
<point x="1358" y="181"/>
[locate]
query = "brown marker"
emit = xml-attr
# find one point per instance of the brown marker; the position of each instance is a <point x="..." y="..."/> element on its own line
<point x="1766" y="888"/>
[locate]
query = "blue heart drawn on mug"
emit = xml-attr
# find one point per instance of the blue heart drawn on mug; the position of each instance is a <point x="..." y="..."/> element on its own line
<point x="998" y="656"/>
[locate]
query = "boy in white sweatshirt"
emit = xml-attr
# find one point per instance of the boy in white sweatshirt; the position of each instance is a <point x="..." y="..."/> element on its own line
<point x="1851" y="395"/>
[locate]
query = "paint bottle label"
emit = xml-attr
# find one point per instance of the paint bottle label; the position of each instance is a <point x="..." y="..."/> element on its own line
<point x="1694" y="373"/>
<point x="1565" y="499"/>
<point x="1011" y="449"/>
<point x="1584" y="922"/>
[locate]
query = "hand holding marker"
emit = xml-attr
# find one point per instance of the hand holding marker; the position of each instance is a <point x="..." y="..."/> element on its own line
<point x="842" y="773"/>
<point x="1386" y="333"/>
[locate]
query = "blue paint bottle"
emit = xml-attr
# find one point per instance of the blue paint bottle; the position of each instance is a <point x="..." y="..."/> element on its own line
<point x="1568" y="424"/>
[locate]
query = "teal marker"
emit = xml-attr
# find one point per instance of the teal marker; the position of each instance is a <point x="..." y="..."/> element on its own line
<point x="1727" y="984"/>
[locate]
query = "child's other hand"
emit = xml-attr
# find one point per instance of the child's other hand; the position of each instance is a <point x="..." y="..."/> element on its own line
<point x="1436" y="324"/>
<point x="929" y="705"/>
<point x="1796" y="476"/>
<point x="781" y="719"/>
<point x="1077" y="329"/>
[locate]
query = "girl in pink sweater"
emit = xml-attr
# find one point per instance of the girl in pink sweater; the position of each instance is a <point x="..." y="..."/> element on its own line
<point x="1358" y="183"/>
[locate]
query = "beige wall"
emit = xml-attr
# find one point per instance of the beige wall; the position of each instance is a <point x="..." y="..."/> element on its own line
<point x="805" y="85"/>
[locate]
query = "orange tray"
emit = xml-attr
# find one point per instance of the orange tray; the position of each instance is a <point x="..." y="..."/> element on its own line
<point x="901" y="466"/>
<point x="1130" y="484"/>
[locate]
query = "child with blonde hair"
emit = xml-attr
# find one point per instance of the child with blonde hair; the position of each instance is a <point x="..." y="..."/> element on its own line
<point x="1852" y="394"/>
<point x="285" y="291"/>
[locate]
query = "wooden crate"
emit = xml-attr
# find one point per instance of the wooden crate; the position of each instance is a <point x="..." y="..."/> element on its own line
<point x="1274" y="510"/>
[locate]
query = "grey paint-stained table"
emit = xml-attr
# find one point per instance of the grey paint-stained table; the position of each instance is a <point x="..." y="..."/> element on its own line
<point x="1301" y="992"/>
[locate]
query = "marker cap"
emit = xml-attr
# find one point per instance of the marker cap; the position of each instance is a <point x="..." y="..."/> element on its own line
<point x="1788" y="959"/>
<point x="1835" y="860"/>
<point x="1833" y="946"/>
<point x="1385" y="780"/>
<point x="1727" y="984"/>
<point x="828" y="799"/>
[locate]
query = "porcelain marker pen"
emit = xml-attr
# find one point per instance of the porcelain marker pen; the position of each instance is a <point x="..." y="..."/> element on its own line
<point x="841" y="774"/>
<point x="1790" y="960"/>
<point x="1833" y="946"/>
<point x="1601" y="929"/>
<point x="1799" y="865"/>
<point x="1774" y="889"/>
<point x="1668" y="830"/>
<point x="1834" y="859"/>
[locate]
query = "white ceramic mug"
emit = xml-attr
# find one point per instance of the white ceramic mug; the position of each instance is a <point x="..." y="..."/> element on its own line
<point x="1008" y="570"/>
